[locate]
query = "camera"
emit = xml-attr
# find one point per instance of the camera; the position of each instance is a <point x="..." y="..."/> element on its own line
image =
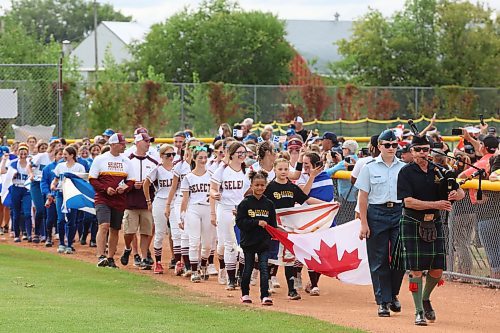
<point x="469" y="149"/>
<point x="348" y="159"/>
<point x="365" y="152"/>
<point x="399" y="153"/>
<point x="438" y="145"/>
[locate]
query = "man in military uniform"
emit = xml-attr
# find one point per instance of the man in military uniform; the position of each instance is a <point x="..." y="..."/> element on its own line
<point x="380" y="212"/>
<point x="421" y="244"/>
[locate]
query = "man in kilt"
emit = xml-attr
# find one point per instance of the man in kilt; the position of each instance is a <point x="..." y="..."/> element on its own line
<point x="421" y="245"/>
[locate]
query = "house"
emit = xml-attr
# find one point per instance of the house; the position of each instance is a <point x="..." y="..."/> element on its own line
<point x="312" y="40"/>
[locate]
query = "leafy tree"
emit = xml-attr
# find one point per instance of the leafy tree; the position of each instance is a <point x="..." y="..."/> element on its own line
<point x="220" y="43"/>
<point x="61" y="19"/>
<point x="428" y="43"/>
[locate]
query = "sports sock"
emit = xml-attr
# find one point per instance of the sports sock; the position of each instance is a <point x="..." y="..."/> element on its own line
<point x="273" y="270"/>
<point x="222" y="263"/>
<point x="290" y="274"/>
<point x="194" y="266"/>
<point x="231" y="273"/>
<point x="185" y="259"/>
<point x="158" y="254"/>
<point x="203" y="262"/>
<point x="416" y="292"/>
<point x="430" y="284"/>
<point x="313" y="276"/>
<point x="211" y="258"/>
<point x="177" y="253"/>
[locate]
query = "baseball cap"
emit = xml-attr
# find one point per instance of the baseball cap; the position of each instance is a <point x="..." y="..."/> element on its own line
<point x="330" y="136"/>
<point x="117" y="138"/>
<point x="143" y="130"/>
<point x="294" y="142"/>
<point x="4" y="150"/>
<point x="142" y="137"/>
<point x="108" y="132"/>
<point x="298" y="119"/>
<point x="407" y="133"/>
<point x="290" y="132"/>
<point x="491" y="143"/>
<point x="352" y="145"/>
<point x="492" y="130"/>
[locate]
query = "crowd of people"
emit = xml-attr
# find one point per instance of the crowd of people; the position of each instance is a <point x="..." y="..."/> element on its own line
<point x="211" y="201"/>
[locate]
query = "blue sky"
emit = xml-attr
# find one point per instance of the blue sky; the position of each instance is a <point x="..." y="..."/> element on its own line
<point x="152" y="11"/>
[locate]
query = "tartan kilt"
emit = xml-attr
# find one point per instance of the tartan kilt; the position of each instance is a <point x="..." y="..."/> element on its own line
<point x="412" y="253"/>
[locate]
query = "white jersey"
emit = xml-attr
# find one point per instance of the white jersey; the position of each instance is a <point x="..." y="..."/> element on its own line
<point x="38" y="162"/>
<point x="161" y="178"/>
<point x="198" y="188"/>
<point x="153" y="151"/>
<point x="181" y="169"/>
<point x="61" y="168"/>
<point x="212" y="166"/>
<point x="141" y="166"/>
<point x="233" y="184"/>
<point x="270" y="174"/>
<point x="21" y="175"/>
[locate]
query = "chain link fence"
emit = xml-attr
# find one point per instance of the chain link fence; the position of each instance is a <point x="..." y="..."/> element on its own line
<point x="472" y="236"/>
<point x="36" y="87"/>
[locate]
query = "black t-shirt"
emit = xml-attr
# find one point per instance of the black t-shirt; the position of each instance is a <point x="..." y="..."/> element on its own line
<point x="285" y="195"/>
<point x="415" y="183"/>
<point x="302" y="133"/>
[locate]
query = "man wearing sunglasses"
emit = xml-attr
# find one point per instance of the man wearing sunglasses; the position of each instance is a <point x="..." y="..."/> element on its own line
<point x="380" y="212"/>
<point x="421" y="244"/>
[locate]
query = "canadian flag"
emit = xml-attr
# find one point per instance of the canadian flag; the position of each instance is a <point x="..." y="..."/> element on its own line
<point x="335" y="252"/>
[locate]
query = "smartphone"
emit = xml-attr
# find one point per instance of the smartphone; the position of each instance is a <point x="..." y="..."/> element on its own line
<point x="481" y="119"/>
<point x="318" y="165"/>
<point x="365" y="152"/>
<point x="348" y="159"/>
<point x="456" y="131"/>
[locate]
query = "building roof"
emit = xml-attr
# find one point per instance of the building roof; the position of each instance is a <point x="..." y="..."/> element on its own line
<point x="128" y="32"/>
<point x="315" y="41"/>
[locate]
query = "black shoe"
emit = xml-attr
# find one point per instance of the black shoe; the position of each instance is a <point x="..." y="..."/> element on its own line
<point x="48" y="243"/>
<point x="429" y="313"/>
<point x="83" y="241"/>
<point x="36" y="239"/>
<point x="420" y="319"/>
<point x="137" y="260"/>
<point x="171" y="265"/>
<point x="145" y="266"/>
<point x="294" y="295"/>
<point x="111" y="263"/>
<point x="150" y="258"/>
<point x="92" y="244"/>
<point x="124" y="258"/>
<point x="102" y="262"/>
<point x="30" y="240"/>
<point x="395" y="306"/>
<point x="383" y="310"/>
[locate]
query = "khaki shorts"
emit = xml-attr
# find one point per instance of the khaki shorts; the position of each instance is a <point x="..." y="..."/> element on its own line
<point x="138" y="220"/>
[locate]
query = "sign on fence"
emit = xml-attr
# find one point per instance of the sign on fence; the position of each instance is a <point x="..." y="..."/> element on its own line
<point x="8" y="105"/>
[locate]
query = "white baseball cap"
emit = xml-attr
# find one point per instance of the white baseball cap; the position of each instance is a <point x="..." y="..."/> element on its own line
<point x="298" y="119"/>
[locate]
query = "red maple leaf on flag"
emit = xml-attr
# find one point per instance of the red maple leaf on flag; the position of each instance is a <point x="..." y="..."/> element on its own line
<point x="330" y="264"/>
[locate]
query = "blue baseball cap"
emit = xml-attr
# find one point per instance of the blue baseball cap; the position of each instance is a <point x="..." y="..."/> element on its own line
<point x="4" y="149"/>
<point x="108" y="132"/>
<point x="290" y="132"/>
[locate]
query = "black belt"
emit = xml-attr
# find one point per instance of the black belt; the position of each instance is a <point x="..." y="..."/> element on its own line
<point x="427" y="215"/>
<point x="389" y="204"/>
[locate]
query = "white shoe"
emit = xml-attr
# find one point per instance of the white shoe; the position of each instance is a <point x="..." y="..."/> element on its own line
<point x="254" y="277"/>
<point x="275" y="283"/>
<point x="61" y="249"/>
<point x="195" y="277"/>
<point x="315" y="291"/>
<point x="187" y="273"/>
<point x="222" y="278"/>
<point x="271" y="289"/>
<point x="211" y="270"/>
<point x="297" y="282"/>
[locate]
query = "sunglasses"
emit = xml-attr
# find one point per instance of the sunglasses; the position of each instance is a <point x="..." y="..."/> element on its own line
<point x="193" y="147"/>
<point x="390" y="145"/>
<point x="419" y="149"/>
<point x="241" y="153"/>
<point x="169" y="154"/>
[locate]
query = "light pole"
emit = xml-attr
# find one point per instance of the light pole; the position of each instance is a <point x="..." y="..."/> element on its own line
<point x="65" y="49"/>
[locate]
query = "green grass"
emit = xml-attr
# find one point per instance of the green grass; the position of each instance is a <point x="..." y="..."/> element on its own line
<point x="41" y="292"/>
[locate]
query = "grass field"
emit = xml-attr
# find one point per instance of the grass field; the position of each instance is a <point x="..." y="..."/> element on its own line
<point x="41" y="292"/>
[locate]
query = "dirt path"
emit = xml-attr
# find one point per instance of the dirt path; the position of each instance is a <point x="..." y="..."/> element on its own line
<point x="459" y="307"/>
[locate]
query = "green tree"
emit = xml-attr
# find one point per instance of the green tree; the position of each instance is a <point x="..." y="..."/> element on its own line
<point x="220" y="43"/>
<point x="61" y="19"/>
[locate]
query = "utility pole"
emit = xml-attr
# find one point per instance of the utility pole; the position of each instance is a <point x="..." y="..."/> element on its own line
<point x="96" y="59"/>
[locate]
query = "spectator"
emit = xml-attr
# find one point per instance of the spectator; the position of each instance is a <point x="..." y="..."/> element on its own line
<point x="298" y="122"/>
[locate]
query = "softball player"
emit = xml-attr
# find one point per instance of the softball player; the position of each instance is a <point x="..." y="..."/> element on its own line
<point x="179" y="239"/>
<point x="228" y="187"/>
<point x="195" y="213"/>
<point x="161" y="177"/>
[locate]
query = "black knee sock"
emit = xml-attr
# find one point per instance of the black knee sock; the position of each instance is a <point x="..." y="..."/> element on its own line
<point x="290" y="274"/>
<point x="313" y="276"/>
<point x="158" y="254"/>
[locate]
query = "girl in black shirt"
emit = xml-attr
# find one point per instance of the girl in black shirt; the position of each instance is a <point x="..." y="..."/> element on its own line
<point x="254" y="213"/>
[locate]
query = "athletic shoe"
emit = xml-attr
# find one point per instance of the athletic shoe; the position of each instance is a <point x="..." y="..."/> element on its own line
<point x="111" y="263"/>
<point x="222" y="278"/>
<point x="137" y="260"/>
<point x="83" y="241"/>
<point x="297" y="281"/>
<point x="429" y="313"/>
<point x="125" y="257"/>
<point x="231" y="285"/>
<point x="395" y="305"/>
<point x="48" y="243"/>
<point x="145" y="266"/>
<point x="1" y="231"/>
<point x="93" y="244"/>
<point x="6" y="230"/>
<point x="102" y="261"/>
<point x="17" y="240"/>
<point x="68" y="250"/>
<point x="204" y="273"/>
<point x="271" y="289"/>
<point x="211" y="270"/>
<point x="383" y="310"/>
<point x="195" y="277"/>
<point x="187" y="273"/>
<point x="36" y="239"/>
<point x="43" y="239"/>
<point x="171" y="265"/>
<point x="267" y="301"/>
<point x="61" y="249"/>
<point x="179" y="268"/>
<point x="420" y="319"/>
<point x="254" y="277"/>
<point x="149" y="258"/>
<point x="30" y="239"/>
<point x="275" y="283"/>
<point x="25" y="236"/>
<point x="294" y="295"/>
<point x="308" y="287"/>
<point x="246" y="299"/>
<point x="314" y="291"/>
<point x="157" y="268"/>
